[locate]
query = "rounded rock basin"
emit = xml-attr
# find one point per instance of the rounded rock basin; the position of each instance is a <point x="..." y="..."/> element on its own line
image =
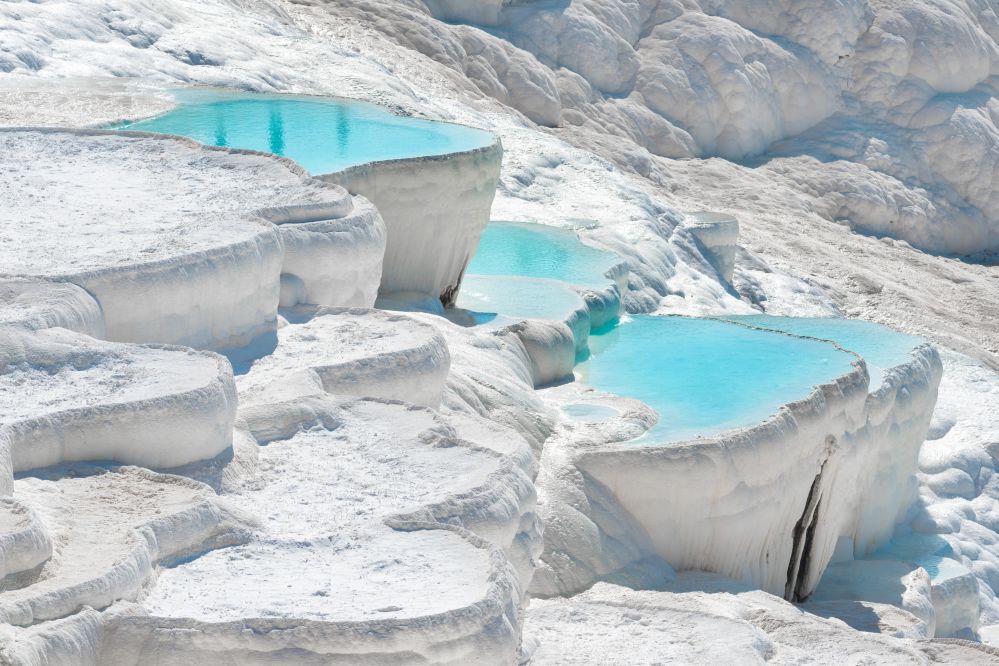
<point x="321" y="134"/>
<point x="541" y="251"/>
<point x="704" y="376"/>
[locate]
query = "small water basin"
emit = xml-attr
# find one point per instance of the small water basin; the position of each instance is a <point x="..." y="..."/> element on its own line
<point x="704" y="376"/>
<point x="322" y="134"/>
<point x="541" y="251"/>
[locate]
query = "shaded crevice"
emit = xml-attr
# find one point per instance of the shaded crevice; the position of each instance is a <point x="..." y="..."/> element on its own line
<point x="449" y="295"/>
<point x="802" y="537"/>
<point x="806" y="557"/>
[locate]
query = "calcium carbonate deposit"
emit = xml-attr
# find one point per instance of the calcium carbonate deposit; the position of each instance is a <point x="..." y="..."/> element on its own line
<point x="500" y="332"/>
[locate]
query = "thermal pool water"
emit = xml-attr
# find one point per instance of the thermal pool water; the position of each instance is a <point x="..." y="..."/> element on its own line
<point x="323" y="135"/>
<point x="540" y="251"/>
<point x="881" y="347"/>
<point x="703" y="375"/>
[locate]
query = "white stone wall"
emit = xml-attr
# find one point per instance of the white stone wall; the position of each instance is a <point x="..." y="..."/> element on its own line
<point x="435" y="209"/>
<point x="730" y="504"/>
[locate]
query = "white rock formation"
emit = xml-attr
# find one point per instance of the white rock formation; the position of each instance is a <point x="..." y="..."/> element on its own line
<point x="898" y="94"/>
<point x="62" y="102"/>
<point x="956" y="507"/>
<point x="350" y="352"/>
<point x="882" y="581"/>
<point x="836" y="464"/>
<point x="109" y="532"/>
<point x="491" y="379"/>
<point x="910" y="66"/>
<point x="200" y="265"/>
<point x="486" y="12"/>
<point x="719" y="234"/>
<point x="331" y="257"/>
<point x="338" y="53"/>
<point x="66" y="397"/>
<point x="434" y="208"/>
<point x="550" y="319"/>
<point x="701" y="618"/>
<point x="37" y="304"/>
<point x="25" y="544"/>
<point x="425" y="492"/>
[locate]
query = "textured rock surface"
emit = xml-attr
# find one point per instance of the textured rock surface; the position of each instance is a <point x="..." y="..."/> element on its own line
<point x="352" y="352"/>
<point x="67" y="397"/>
<point x="702" y="618"/>
<point x="198" y="264"/>
<point x="434" y="208"/>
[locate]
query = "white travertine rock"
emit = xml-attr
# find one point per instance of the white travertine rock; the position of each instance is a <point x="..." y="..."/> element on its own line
<point x="37" y="304"/>
<point x="588" y="537"/>
<point x="109" y="531"/>
<point x="434" y="209"/>
<point x="198" y="265"/>
<point x="730" y="78"/>
<point x="786" y="201"/>
<point x="839" y="463"/>
<point x="705" y="618"/>
<point x="25" y="544"/>
<point x="71" y="641"/>
<point x="492" y="380"/>
<point x="735" y="93"/>
<point x="483" y="12"/>
<point x="881" y="581"/>
<point x="66" y="397"/>
<point x="549" y="318"/>
<point x="335" y="261"/>
<point x="380" y="489"/>
<point x="719" y="234"/>
<point x="828" y="29"/>
<point x="351" y="352"/>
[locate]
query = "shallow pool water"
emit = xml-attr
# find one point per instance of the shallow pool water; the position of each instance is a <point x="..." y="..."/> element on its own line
<point x="704" y="376"/>
<point x="582" y="412"/>
<point x="541" y="251"/>
<point x="321" y="134"/>
<point x="503" y="299"/>
<point x="930" y="551"/>
<point x="881" y="347"/>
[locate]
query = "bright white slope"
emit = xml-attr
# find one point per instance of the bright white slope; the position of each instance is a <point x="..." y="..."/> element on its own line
<point x="350" y="351"/>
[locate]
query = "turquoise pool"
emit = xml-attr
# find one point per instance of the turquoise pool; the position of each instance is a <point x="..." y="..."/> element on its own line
<point x="540" y="251"/>
<point x="502" y="300"/>
<point x="322" y="134"/>
<point x="881" y="347"/>
<point x="704" y="376"/>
